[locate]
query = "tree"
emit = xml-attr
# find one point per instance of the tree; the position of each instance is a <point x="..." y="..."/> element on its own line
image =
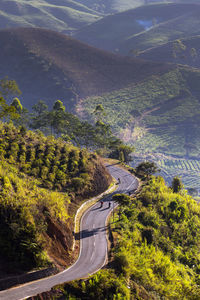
<point x="58" y="106"/>
<point x="122" y="199"/>
<point x="17" y="104"/>
<point x="193" y="53"/>
<point x="40" y="114"/>
<point x="124" y="152"/>
<point x="57" y="117"/>
<point x="146" y="169"/>
<point x="99" y="112"/>
<point x="22" y="119"/>
<point x="177" y="48"/>
<point x="8" y="88"/>
<point x="176" y="185"/>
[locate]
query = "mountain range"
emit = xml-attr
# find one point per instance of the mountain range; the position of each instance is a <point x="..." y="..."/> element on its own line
<point x="142" y="28"/>
<point x="48" y="65"/>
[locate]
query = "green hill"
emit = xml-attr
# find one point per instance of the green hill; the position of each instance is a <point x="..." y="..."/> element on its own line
<point x="62" y="16"/>
<point x="160" y="114"/>
<point x="43" y="181"/>
<point x="48" y="65"/>
<point x="143" y="27"/>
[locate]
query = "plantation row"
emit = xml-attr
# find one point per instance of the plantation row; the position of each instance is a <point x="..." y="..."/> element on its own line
<point x="187" y="170"/>
<point x="190" y="165"/>
<point x="59" y="165"/>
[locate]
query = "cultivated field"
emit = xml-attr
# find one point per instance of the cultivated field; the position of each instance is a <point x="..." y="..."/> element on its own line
<point x="187" y="169"/>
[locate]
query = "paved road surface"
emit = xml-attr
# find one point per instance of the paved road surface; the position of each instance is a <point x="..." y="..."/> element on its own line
<point x="93" y="253"/>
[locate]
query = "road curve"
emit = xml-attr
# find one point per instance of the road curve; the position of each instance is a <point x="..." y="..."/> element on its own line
<point x="93" y="243"/>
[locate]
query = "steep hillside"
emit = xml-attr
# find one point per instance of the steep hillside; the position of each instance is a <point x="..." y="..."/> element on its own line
<point x="183" y="51"/>
<point x="160" y="114"/>
<point x="42" y="183"/>
<point x="143" y="27"/>
<point x="49" y="65"/>
<point x="62" y="16"/>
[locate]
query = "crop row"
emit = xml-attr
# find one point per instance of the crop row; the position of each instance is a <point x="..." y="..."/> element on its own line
<point x="56" y="163"/>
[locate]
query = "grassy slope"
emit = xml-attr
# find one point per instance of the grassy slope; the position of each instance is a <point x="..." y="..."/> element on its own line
<point x="37" y="218"/>
<point x="160" y="114"/>
<point x="62" y="16"/>
<point x="165" y="53"/>
<point x="49" y="65"/>
<point x="123" y="31"/>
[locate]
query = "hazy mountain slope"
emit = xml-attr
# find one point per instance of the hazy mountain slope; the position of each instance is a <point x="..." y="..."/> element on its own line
<point x="160" y="114"/>
<point x="188" y="53"/>
<point x="49" y="65"/>
<point x="63" y="16"/>
<point x="142" y="27"/>
<point x="114" y="6"/>
<point x="183" y="26"/>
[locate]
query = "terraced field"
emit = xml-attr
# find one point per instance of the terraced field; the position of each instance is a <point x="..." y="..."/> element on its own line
<point x="187" y="169"/>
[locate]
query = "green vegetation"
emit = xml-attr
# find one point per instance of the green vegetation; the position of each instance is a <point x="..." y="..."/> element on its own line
<point x="160" y="114"/>
<point x="97" y="137"/>
<point x="52" y="161"/>
<point x="24" y="208"/>
<point x="146" y="169"/>
<point x="156" y="253"/>
<point x="42" y="182"/>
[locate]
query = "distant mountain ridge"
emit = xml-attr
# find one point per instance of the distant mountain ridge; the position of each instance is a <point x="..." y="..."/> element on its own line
<point x="62" y="16"/>
<point x="143" y="27"/>
<point x="49" y="65"/>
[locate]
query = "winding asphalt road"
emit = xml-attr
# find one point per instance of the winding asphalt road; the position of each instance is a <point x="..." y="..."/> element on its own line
<point x="93" y="252"/>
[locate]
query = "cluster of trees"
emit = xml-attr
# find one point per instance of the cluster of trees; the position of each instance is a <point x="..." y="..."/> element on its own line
<point x="96" y="137"/>
<point x="179" y="50"/>
<point x="57" y="164"/>
<point x="61" y="123"/>
<point x="156" y="253"/>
